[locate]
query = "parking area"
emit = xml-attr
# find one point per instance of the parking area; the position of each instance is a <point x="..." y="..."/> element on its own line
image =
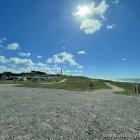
<point x="49" y="114"/>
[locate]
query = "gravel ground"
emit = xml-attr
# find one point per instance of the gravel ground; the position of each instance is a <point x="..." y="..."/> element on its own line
<point x="47" y="114"/>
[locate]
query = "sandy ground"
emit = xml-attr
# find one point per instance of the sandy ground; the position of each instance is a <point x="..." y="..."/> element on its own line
<point x="48" y="114"/>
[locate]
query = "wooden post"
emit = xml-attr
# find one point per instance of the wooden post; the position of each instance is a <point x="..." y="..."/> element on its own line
<point x="138" y="88"/>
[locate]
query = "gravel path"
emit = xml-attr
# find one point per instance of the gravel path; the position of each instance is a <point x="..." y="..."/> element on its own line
<point x="62" y="81"/>
<point x="48" y="114"/>
<point x="114" y="88"/>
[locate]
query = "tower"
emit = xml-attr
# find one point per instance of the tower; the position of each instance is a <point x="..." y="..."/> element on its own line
<point x="61" y="71"/>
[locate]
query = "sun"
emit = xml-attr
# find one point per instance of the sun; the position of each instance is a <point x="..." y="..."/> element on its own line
<point x="83" y="11"/>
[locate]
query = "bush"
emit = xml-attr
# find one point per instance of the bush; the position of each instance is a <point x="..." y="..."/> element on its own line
<point x="91" y="85"/>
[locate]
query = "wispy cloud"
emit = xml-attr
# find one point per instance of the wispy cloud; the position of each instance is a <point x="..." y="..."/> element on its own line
<point x="64" y="48"/>
<point x="92" y="67"/>
<point x="81" y="52"/>
<point x="2" y="39"/>
<point x="116" y="1"/>
<point x="13" y="46"/>
<point x="73" y="72"/>
<point x="39" y="56"/>
<point x="91" y="17"/>
<point x="110" y="27"/>
<point x="123" y="59"/>
<point x="24" y="54"/>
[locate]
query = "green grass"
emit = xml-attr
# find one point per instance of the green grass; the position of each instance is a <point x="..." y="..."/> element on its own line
<point x="76" y="83"/>
<point x="72" y="83"/>
<point x="128" y="87"/>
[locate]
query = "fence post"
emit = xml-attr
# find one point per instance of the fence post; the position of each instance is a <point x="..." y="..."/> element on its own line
<point x="135" y="88"/>
<point x="138" y="88"/>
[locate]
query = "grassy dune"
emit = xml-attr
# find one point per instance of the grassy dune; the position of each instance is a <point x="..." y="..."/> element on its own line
<point x="72" y="83"/>
<point x="76" y="83"/>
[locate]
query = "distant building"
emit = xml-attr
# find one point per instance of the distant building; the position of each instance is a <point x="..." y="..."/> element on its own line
<point x="4" y="77"/>
<point x="24" y="78"/>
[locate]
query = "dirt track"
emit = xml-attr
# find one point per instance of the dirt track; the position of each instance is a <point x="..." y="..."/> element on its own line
<point x="114" y="88"/>
<point x="47" y="114"/>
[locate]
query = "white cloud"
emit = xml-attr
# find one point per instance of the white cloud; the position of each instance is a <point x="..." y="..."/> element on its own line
<point x="18" y="61"/>
<point x="39" y="56"/>
<point x="18" y="65"/>
<point x="90" y="10"/>
<point x="110" y="27"/>
<point x="90" y="25"/>
<point x="80" y="67"/>
<point x="123" y="59"/>
<point x="100" y="9"/>
<point x="81" y="52"/>
<point x="116" y="1"/>
<point x="40" y="67"/>
<point x="2" y="59"/>
<point x="2" y="39"/>
<point x="24" y="54"/>
<point x="13" y="46"/>
<point x="64" y="58"/>
<point x="91" y="17"/>
<point x="41" y="64"/>
<point x="5" y="69"/>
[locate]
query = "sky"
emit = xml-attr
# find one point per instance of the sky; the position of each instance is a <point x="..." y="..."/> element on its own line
<point x="94" y="38"/>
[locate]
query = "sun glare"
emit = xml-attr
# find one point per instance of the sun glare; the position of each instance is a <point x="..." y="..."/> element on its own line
<point x="83" y="11"/>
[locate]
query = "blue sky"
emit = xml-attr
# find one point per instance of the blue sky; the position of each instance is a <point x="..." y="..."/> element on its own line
<point x="96" y="38"/>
